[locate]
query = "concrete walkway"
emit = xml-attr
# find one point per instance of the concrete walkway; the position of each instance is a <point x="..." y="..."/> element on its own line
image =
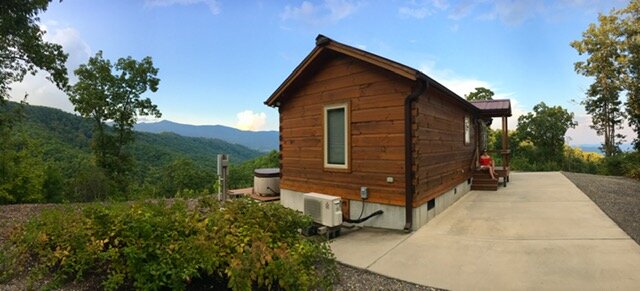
<point x="541" y="232"/>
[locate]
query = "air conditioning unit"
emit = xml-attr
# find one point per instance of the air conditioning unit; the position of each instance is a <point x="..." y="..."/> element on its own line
<point x="324" y="209"/>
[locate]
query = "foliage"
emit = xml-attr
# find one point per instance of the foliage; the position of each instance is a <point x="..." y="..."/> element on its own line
<point x="575" y="160"/>
<point x="527" y="156"/>
<point x="22" y="172"/>
<point x="106" y="92"/>
<point x="159" y="245"/>
<point x="241" y="176"/>
<point x="624" y="164"/>
<point x="57" y="145"/>
<point x="22" y="49"/>
<point x="183" y="174"/>
<point x="545" y="128"/>
<point x="602" y="43"/>
<point x="613" y="49"/>
<point x="480" y="93"/>
<point x="630" y="29"/>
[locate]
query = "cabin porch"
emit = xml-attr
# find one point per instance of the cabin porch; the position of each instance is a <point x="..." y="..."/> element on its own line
<point x="481" y="178"/>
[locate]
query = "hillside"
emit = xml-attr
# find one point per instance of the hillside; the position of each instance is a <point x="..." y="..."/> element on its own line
<point x="66" y="137"/>
<point x="258" y="140"/>
<point x="64" y="140"/>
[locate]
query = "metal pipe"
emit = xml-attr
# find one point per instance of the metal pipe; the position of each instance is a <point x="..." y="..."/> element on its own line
<point x="408" y="149"/>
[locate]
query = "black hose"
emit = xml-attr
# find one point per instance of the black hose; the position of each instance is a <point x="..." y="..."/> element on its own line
<point x="361" y="209"/>
<point x="364" y="219"/>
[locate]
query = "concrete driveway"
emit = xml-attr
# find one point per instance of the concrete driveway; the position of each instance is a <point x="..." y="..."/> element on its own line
<point x="541" y="232"/>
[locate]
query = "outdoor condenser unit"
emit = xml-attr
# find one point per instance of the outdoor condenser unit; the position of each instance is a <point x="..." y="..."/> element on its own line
<point x="324" y="209"/>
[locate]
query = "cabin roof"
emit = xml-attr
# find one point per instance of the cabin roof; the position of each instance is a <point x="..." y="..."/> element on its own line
<point x="493" y="108"/>
<point x="326" y="47"/>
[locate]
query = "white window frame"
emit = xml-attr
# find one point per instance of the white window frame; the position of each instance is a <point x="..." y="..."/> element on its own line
<point x="347" y="145"/>
<point x="467" y="129"/>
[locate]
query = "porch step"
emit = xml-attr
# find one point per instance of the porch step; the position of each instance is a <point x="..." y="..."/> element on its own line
<point x="482" y="181"/>
<point x="485" y="187"/>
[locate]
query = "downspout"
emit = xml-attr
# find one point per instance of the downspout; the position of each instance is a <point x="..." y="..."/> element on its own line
<point x="408" y="150"/>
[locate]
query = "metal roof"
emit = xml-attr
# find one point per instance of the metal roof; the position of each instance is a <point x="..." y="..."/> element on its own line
<point x="493" y="108"/>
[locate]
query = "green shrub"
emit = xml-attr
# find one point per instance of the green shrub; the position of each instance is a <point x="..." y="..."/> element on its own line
<point x="622" y="164"/>
<point x="159" y="245"/>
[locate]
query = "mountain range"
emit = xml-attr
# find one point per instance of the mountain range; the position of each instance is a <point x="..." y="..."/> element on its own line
<point x="64" y="137"/>
<point x="258" y="140"/>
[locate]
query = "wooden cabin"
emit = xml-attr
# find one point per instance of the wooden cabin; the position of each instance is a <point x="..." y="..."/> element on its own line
<point x="351" y="119"/>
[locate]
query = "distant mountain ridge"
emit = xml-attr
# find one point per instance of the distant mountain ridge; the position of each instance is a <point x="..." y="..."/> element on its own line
<point x="257" y="140"/>
<point x="595" y="148"/>
<point x="66" y="137"/>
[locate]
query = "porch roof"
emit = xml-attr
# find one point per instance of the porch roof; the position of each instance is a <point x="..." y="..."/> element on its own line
<point x="493" y="108"/>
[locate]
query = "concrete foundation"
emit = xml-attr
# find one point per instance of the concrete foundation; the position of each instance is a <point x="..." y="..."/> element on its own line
<point x="393" y="216"/>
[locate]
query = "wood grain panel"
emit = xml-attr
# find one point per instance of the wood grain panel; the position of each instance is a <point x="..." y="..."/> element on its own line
<point x="377" y="114"/>
<point x="350" y="191"/>
<point x="376" y="99"/>
<point x="377" y="126"/>
<point x="441" y="159"/>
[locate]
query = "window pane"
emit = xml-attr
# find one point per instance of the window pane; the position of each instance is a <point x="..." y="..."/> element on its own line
<point x="467" y="130"/>
<point x="335" y="136"/>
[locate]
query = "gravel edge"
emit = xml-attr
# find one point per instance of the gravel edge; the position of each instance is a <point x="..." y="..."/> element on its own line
<point x="617" y="197"/>
<point x="352" y="278"/>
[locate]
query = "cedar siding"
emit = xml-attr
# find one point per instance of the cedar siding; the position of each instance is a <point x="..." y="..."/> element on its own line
<point x="441" y="158"/>
<point x="376" y="148"/>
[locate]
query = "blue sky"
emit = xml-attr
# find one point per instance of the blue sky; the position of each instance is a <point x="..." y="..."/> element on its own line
<point x="219" y="60"/>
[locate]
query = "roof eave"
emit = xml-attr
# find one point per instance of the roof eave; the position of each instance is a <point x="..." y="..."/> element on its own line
<point x="447" y="91"/>
<point x="271" y="101"/>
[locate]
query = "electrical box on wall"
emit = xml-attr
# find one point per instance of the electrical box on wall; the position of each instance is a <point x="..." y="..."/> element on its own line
<point x="364" y="193"/>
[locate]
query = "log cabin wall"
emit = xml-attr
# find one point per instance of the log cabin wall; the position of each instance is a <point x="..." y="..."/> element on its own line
<point x="442" y="160"/>
<point x="375" y="97"/>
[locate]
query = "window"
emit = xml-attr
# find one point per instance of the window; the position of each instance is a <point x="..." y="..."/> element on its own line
<point x="336" y="136"/>
<point x="467" y="129"/>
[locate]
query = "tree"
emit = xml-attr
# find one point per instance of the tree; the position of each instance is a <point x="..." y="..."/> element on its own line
<point x="184" y="174"/>
<point x="22" y="49"/>
<point x="22" y="171"/>
<point x="480" y="93"/>
<point x="546" y="128"/>
<point x="630" y="28"/>
<point x="602" y="43"/>
<point x="106" y="92"/>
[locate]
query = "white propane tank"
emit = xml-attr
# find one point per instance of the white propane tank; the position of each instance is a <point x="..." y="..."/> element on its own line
<point x="266" y="182"/>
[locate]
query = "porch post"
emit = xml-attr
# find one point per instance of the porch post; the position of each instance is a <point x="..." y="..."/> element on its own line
<point x="505" y="142"/>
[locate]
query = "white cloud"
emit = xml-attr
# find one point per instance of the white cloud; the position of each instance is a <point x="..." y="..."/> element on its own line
<point x="78" y="50"/>
<point x="516" y="111"/>
<point x="214" y="5"/>
<point x="248" y="120"/>
<point x="418" y="12"/>
<point x="319" y="14"/>
<point x="448" y="78"/>
<point x="461" y="10"/>
<point x="583" y="134"/>
<point x="465" y="85"/>
<point x="422" y="9"/>
<point x="41" y="91"/>
<point x="514" y="13"/>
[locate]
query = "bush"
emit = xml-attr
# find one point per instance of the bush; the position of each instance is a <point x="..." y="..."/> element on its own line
<point x="159" y="245"/>
<point x="622" y="164"/>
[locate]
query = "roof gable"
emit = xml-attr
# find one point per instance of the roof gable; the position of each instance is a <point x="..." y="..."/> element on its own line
<point x="324" y="47"/>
